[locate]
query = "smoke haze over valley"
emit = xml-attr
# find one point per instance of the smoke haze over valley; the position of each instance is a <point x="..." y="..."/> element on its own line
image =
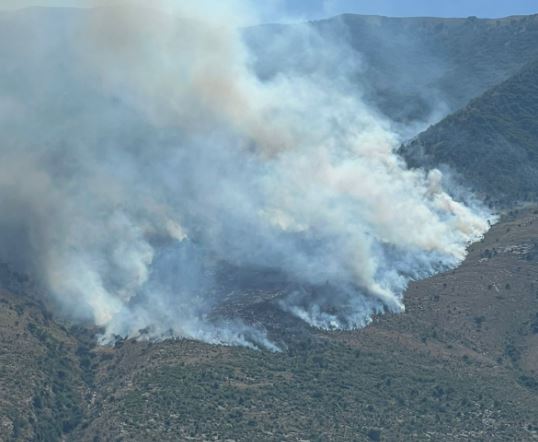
<point x="142" y="153"/>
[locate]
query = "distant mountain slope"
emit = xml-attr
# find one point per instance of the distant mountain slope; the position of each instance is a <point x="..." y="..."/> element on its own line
<point x="412" y="69"/>
<point x="492" y="143"/>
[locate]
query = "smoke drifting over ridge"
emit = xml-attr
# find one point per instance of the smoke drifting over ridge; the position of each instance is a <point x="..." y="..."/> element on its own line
<point x="141" y="155"/>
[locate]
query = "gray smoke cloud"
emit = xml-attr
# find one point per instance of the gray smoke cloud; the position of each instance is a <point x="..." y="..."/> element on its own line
<point x="143" y="158"/>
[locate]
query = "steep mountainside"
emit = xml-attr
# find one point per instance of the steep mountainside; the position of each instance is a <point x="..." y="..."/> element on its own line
<point x="412" y="69"/>
<point x="492" y="142"/>
<point x="460" y="364"/>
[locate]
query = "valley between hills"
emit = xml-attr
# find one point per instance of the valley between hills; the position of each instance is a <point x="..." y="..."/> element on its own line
<point x="461" y="364"/>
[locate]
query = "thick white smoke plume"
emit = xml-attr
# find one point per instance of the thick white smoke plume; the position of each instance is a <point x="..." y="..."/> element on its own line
<point x="141" y="157"/>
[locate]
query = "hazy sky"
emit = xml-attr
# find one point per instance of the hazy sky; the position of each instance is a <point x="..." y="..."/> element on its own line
<point x="297" y="9"/>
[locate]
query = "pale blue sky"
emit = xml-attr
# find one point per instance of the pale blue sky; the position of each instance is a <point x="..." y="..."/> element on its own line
<point x="406" y="8"/>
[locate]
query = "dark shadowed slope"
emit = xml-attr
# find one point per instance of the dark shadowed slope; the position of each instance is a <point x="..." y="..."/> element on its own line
<point x="493" y="142"/>
<point x="459" y="365"/>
